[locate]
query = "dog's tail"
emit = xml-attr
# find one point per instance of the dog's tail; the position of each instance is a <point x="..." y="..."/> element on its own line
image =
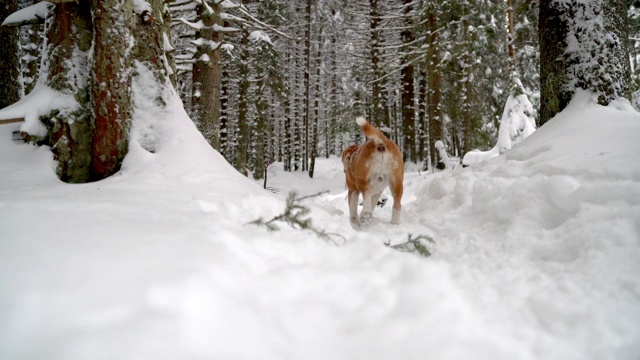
<point x="369" y="130"/>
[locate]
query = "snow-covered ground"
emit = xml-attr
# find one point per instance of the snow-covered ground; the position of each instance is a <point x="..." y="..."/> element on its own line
<point x="536" y="254"/>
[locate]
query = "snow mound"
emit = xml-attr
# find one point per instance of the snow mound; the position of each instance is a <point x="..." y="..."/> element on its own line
<point x="516" y="124"/>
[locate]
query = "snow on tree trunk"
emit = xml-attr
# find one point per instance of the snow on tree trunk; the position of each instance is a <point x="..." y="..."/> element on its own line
<point x="10" y="87"/>
<point x="66" y="70"/>
<point x="583" y="44"/>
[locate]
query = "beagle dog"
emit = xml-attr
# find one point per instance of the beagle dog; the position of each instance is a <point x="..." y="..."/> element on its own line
<point x="369" y="168"/>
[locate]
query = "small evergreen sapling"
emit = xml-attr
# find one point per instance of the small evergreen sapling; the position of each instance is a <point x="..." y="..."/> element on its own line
<point x="420" y="244"/>
<point x="295" y="214"/>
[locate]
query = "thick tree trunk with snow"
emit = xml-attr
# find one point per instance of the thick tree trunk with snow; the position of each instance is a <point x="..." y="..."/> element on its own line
<point x="10" y="88"/>
<point x="93" y="52"/>
<point x="66" y="65"/>
<point x="582" y="46"/>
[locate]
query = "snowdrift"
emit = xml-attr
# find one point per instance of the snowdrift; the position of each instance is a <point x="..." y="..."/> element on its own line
<point x="535" y="254"/>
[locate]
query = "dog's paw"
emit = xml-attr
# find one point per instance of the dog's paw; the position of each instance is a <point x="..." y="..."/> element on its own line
<point x="365" y="218"/>
<point x="355" y="222"/>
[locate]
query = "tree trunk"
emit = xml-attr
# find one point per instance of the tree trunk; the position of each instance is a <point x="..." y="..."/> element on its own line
<point x="10" y="87"/>
<point x="582" y="46"/>
<point x="434" y="84"/>
<point x="261" y="133"/>
<point x="422" y="114"/>
<point x="110" y="85"/>
<point x="379" y="114"/>
<point x="69" y="39"/>
<point x="467" y="85"/>
<point x="307" y="87"/>
<point x="224" y="113"/>
<point x="316" y="108"/>
<point x="511" y="37"/>
<point x="408" y="93"/>
<point x="287" y="122"/>
<point x="295" y="121"/>
<point x="241" y="160"/>
<point x="206" y="73"/>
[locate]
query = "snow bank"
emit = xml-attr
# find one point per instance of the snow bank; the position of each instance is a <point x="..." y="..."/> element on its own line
<point x="547" y="236"/>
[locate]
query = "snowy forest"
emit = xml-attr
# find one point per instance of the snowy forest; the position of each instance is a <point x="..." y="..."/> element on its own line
<point x="281" y="81"/>
<point x="172" y="186"/>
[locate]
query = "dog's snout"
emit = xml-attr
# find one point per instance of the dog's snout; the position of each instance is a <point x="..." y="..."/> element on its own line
<point x="381" y="147"/>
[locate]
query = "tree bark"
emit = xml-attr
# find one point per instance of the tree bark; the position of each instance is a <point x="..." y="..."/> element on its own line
<point x="110" y="85"/>
<point x="511" y="37"/>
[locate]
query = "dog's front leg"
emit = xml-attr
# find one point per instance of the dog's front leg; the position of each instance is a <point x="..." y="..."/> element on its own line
<point x="353" y="207"/>
<point x="367" y="207"/>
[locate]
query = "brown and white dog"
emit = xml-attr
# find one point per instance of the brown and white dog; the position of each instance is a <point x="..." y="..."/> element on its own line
<point x="369" y="169"/>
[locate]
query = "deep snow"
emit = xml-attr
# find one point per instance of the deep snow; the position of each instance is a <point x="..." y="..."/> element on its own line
<point x="535" y="257"/>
